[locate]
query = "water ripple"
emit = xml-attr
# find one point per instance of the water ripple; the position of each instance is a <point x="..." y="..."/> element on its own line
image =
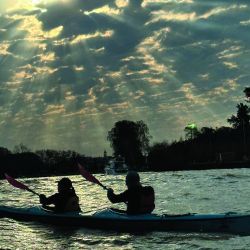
<point x="210" y="191"/>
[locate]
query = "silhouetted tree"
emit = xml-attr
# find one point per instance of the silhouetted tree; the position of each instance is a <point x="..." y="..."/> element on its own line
<point x="206" y="137"/>
<point x="130" y="140"/>
<point x="241" y="122"/>
<point x="4" y="151"/>
<point x="247" y="93"/>
<point x="242" y="117"/>
<point x="158" y="156"/>
<point x="191" y="131"/>
<point x="21" y="148"/>
<point x="207" y="131"/>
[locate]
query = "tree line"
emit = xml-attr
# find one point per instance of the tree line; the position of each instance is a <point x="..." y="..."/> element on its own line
<point x="207" y="147"/>
<point x="22" y="162"/>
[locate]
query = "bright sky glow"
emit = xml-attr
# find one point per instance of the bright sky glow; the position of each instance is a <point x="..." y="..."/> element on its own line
<point x="71" y="68"/>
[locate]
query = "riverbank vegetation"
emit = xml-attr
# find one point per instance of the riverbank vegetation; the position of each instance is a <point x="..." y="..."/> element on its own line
<point x="204" y="148"/>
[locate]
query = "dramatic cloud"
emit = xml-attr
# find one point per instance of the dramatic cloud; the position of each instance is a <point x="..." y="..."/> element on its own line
<point x="69" y="69"/>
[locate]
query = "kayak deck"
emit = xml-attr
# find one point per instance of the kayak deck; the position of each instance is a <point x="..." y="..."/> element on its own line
<point x="112" y="220"/>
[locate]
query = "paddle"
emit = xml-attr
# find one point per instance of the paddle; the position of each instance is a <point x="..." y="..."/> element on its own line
<point x="89" y="177"/>
<point x="18" y="184"/>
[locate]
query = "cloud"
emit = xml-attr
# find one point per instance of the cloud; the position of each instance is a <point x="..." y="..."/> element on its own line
<point x="54" y="109"/>
<point x="86" y="64"/>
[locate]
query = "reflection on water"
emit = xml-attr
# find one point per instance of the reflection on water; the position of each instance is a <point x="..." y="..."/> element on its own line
<point x="210" y="191"/>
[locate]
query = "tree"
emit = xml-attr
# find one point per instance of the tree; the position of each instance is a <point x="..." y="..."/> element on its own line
<point x="158" y="157"/>
<point x="191" y="131"/>
<point x="241" y="121"/>
<point x="21" y="148"/>
<point x="4" y="151"/>
<point x="242" y="117"/>
<point x="207" y="131"/>
<point x="247" y="93"/>
<point x="130" y="140"/>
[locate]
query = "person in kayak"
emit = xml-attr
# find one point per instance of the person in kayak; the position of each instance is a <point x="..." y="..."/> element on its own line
<point x="139" y="199"/>
<point x="65" y="200"/>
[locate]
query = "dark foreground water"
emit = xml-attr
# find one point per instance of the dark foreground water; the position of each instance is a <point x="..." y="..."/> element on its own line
<point x="210" y="191"/>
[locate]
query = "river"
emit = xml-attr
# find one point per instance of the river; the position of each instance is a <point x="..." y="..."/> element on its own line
<point x="208" y="191"/>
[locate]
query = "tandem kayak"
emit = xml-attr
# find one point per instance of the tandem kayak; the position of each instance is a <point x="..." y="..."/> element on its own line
<point x="109" y="219"/>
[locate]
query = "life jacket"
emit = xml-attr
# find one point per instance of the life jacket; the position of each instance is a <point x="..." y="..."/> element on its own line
<point x="72" y="205"/>
<point x="147" y="201"/>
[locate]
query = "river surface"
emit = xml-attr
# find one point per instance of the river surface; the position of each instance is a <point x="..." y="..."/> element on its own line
<point x="209" y="191"/>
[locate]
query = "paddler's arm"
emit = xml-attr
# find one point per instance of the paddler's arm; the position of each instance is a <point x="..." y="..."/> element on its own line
<point x="47" y="200"/>
<point x="116" y="198"/>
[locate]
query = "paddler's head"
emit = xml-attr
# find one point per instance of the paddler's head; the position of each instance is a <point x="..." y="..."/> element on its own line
<point x="64" y="185"/>
<point x="132" y="179"/>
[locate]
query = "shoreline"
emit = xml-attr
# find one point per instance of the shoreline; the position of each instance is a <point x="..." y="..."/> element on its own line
<point x="190" y="167"/>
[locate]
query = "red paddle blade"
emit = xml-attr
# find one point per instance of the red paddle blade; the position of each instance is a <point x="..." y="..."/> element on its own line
<point x="88" y="176"/>
<point x="15" y="183"/>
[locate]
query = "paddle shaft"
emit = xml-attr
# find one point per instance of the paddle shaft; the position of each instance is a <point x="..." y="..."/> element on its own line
<point x="89" y="177"/>
<point x="104" y="187"/>
<point x="32" y="191"/>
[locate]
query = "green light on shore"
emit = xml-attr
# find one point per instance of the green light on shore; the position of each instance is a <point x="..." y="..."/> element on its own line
<point x="192" y="126"/>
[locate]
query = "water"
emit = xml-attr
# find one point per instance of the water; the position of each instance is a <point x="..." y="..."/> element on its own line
<point x="210" y="191"/>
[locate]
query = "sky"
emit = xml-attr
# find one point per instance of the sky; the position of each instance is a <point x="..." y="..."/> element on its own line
<point x="70" y="69"/>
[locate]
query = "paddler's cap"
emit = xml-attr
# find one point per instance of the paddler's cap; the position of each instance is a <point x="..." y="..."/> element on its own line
<point x="65" y="182"/>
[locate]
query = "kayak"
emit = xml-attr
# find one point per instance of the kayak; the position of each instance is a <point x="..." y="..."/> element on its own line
<point x="110" y="219"/>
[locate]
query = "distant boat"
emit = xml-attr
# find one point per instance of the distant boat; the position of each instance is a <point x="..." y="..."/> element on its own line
<point x="116" y="167"/>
